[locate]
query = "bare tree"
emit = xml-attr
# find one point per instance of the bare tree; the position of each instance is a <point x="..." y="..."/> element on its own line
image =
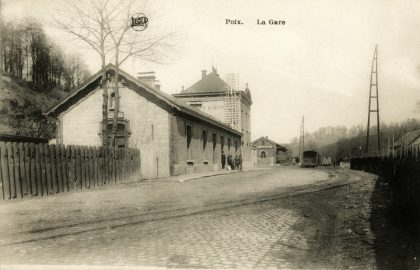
<point x="105" y="26"/>
<point x="85" y="20"/>
<point x="75" y="72"/>
<point x="127" y="43"/>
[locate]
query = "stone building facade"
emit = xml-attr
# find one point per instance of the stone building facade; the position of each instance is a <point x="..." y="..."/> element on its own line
<point x="173" y="137"/>
<point x="214" y="96"/>
<point x="269" y="152"/>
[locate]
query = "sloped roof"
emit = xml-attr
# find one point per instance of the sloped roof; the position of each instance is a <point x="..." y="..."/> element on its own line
<point x="282" y="148"/>
<point x="211" y="83"/>
<point x="178" y="105"/>
<point x="411" y="137"/>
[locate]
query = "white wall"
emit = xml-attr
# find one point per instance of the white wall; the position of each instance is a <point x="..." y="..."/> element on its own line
<point x="146" y="118"/>
<point x="81" y="124"/>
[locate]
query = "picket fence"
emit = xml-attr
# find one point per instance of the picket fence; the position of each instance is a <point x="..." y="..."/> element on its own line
<point x="29" y="169"/>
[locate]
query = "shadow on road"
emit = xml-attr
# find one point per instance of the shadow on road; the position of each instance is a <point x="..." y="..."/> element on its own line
<point x="396" y="232"/>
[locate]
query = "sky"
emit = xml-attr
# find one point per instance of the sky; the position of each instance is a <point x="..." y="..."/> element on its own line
<point x="317" y="65"/>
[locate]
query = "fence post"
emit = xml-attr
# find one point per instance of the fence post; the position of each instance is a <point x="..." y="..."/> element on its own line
<point x="78" y="168"/>
<point x="104" y="165"/>
<point x="88" y="167"/>
<point x="53" y="160"/>
<point x="11" y="169"/>
<point x="73" y="178"/>
<point x="65" y="160"/>
<point x="43" y="173"/>
<point x="91" y="168"/>
<point x="5" y="172"/>
<point x="83" y="166"/>
<point x="100" y="167"/>
<point x="24" y="182"/>
<point x="34" y="186"/>
<point x="38" y="169"/>
<point x="58" y="167"/>
<point x="27" y="158"/>
<point x="50" y="187"/>
<point x="95" y="166"/>
<point x="18" y="180"/>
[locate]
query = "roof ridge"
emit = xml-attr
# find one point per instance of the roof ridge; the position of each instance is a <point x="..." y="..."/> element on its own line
<point x="170" y="100"/>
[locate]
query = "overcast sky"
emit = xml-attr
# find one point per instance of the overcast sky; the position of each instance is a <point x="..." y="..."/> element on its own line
<point x="316" y="65"/>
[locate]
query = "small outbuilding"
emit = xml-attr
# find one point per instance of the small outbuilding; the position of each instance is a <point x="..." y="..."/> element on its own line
<point x="269" y="152"/>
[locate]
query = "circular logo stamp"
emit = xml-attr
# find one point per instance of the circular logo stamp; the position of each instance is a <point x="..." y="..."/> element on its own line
<point x="139" y="22"/>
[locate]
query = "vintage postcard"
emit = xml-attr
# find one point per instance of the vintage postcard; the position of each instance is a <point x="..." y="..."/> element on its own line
<point x="193" y="134"/>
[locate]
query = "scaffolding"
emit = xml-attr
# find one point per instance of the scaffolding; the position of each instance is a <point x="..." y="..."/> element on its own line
<point x="231" y="107"/>
<point x="232" y="79"/>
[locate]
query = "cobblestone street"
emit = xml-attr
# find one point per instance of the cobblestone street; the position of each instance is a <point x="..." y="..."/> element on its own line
<point x="264" y="233"/>
<point x="238" y="237"/>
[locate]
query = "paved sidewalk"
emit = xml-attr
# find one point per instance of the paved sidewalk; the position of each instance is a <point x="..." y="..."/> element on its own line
<point x="76" y="212"/>
<point x="194" y="176"/>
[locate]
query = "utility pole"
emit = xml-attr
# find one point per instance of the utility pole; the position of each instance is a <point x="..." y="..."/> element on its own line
<point x="374" y="95"/>
<point x="393" y="145"/>
<point x="302" y="139"/>
<point x="1" y="33"/>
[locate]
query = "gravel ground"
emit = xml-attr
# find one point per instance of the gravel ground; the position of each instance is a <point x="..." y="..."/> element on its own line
<point x="353" y="227"/>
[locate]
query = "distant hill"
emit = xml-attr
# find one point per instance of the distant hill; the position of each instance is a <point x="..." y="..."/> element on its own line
<point x="21" y="108"/>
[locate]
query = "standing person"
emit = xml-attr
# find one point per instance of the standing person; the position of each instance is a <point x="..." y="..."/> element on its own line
<point x="223" y="160"/>
<point x="236" y="162"/>
<point x="240" y="162"/>
<point x="229" y="162"/>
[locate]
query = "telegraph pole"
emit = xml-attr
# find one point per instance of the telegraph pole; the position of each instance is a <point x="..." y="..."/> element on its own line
<point x="1" y="32"/>
<point x="374" y="95"/>
<point x="302" y="139"/>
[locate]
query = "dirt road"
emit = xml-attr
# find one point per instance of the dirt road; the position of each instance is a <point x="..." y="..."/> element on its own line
<point x="352" y="227"/>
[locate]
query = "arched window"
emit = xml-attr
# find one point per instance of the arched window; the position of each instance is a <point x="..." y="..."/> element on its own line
<point x="263" y="155"/>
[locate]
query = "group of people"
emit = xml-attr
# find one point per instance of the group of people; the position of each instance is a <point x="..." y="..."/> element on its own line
<point x="232" y="163"/>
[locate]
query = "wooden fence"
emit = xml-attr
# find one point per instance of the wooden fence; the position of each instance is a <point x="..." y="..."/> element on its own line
<point x="403" y="176"/>
<point x="28" y="169"/>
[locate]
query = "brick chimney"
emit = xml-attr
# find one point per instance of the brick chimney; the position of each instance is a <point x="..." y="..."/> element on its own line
<point x="203" y="73"/>
<point x="157" y="84"/>
<point x="148" y="78"/>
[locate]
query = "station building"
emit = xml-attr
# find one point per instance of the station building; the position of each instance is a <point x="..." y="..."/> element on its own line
<point x="269" y="152"/>
<point x="173" y="137"/>
<point x="225" y="102"/>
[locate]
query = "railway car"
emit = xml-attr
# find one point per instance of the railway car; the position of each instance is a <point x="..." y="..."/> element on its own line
<point x="310" y="159"/>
